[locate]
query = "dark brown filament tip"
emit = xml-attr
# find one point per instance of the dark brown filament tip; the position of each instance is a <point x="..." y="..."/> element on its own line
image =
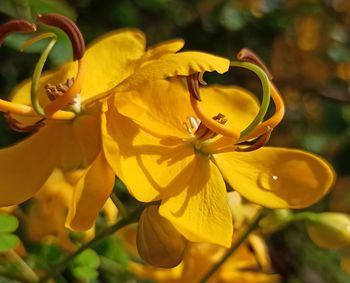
<point x="70" y="28"/>
<point x="246" y="54"/>
<point x="193" y="85"/>
<point x="21" y="128"/>
<point x="15" y="26"/>
<point x="260" y="142"/>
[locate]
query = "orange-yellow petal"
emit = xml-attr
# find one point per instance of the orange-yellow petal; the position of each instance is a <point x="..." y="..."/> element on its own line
<point x="150" y="167"/>
<point x="25" y="166"/>
<point x="161" y="49"/>
<point x="277" y="177"/>
<point x="171" y="65"/>
<point x="201" y="212"/>
<point x="90" y="195"/>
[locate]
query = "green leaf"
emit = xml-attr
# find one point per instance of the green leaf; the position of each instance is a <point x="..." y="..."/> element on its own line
<point x="8" y="223"/>
<point x="8" y="242"/>
<point x="52" y="6"/>
<point x="85" y="272"/>
<point x="16" y="9"/>
<point x="88" y="258"/>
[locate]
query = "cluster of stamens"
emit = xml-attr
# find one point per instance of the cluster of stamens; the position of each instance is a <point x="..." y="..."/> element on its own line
<point x="203" y="133"/>
<point x="55" y="91"/>
<point x="258" y="133"/>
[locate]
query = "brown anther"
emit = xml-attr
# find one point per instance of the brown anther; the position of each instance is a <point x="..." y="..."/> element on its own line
<point x="13" y="26"/>
<point x="221" y="118"/>
<point x="260" y="142"/>
<point x="247" y="55"/>
<point x="193" y="86"/>
<point x="203" y="133"/>
<point x="19" y="127"/>
<point x="70" y="28"/>
<point x="54" y="91"/>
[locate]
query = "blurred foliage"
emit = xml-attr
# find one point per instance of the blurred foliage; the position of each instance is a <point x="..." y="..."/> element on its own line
<point x="305" y="42"/>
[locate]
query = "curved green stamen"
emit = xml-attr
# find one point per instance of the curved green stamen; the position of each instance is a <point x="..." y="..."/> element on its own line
<point x="266" y="95"/>
<point x="39" y="68"/>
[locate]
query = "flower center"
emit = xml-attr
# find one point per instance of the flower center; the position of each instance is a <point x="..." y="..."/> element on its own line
<point x="203" y="133"/>
<point x="258" y="132"/>
<point x="64" y="97"/>
<point x="53" y="92"/>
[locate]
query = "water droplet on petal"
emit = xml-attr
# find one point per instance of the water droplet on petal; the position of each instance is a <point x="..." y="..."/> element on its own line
<point x="268" y="182"/>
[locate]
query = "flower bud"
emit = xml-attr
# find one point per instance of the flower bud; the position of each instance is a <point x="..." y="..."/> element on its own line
<point x="158" y="242"/>
<point x="330" y="230"/>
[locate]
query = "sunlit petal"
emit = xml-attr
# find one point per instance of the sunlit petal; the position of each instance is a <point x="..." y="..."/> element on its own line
<point x="90" y="195"/>
<point x="277" y="177"/>
<point x="201" y="212"/>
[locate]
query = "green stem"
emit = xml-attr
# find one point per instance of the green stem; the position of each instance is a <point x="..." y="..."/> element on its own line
<point x="132" y="217"/>
<point x="27" y="274"/>
<point x="119" y="205"/>
<point x="266" y="95"/>
<point x="235" y="246"/>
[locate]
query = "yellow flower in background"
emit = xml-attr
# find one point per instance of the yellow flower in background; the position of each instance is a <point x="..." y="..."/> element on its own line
<point x="45" y="221"/>
<point x="64" y="106"/>
<point x="165" y="152"/>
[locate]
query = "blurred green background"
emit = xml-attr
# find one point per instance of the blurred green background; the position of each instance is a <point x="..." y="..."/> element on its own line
<point x="306" y="44"/>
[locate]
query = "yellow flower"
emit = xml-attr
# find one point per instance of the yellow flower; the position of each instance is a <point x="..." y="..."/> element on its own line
<point x="47" y="212"/>
<point x="164" y="152"/>
<point x="66" y="112"/>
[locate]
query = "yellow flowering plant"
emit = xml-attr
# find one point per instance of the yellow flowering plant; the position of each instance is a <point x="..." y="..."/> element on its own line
<point x="121" y="109"/>
<point x="63" y="106"/>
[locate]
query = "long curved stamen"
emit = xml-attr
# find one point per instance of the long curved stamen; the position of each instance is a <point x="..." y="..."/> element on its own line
<point x="6" y="29"/>
<point x="276" y="117"/>
<point x="13" y="26"/>
<point x="260" y="142"/>
<point x="39" y="68"/>
<point x="70" y="28"/>
<point x="266" y="95"/>
<point x="78" y="47"/>
<point x="246" y="54"/>
<point x="15" y="108"/>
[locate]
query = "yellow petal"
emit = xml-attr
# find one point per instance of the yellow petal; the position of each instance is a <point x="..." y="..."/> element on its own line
<point x="277" y="177"/>
<point x="90" y="195"/>
<point x="201" y="212"/>
<point x="146" y="164"/>
<point x="25" y="166"/>
<point x="238" y="105"/>
<point x="162" y="106"/>
<point x="179" y="64"/>
<point x="161" y="49"/>
<point x="87" y="133"/>
<point x="109" y="60"/>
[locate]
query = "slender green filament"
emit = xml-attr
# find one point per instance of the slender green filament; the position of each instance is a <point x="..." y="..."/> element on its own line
<point x="266" y="95"/>
<point x="39" y="68"/>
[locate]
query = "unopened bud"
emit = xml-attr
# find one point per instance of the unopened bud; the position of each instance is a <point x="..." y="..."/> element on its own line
<point x="158" y="242"/>
<point x="330" y="230"/>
